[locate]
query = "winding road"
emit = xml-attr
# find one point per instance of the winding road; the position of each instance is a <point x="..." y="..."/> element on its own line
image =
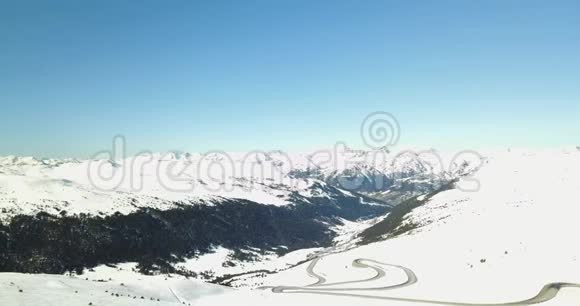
<point x="321" y="286"/>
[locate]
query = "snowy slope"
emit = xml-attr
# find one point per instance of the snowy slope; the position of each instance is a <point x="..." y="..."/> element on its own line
<point x="500" y="244"/>
<point x="108" y="287"/>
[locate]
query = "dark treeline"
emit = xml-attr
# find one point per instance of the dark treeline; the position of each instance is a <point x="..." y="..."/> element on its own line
<point x="57" y="244"/>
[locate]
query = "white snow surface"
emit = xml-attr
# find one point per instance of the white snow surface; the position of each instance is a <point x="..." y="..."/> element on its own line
<point x="108" y="286"/>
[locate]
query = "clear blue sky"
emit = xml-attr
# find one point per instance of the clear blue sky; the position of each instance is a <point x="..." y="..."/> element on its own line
<point x="287" y="74"/>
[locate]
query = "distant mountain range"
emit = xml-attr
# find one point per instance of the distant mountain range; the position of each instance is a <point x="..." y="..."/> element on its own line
<point x="166" y="181"/>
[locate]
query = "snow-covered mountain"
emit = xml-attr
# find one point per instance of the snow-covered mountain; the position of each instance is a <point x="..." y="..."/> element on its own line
<point x="165" y="181"/>
<point x="504" y="236"/>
